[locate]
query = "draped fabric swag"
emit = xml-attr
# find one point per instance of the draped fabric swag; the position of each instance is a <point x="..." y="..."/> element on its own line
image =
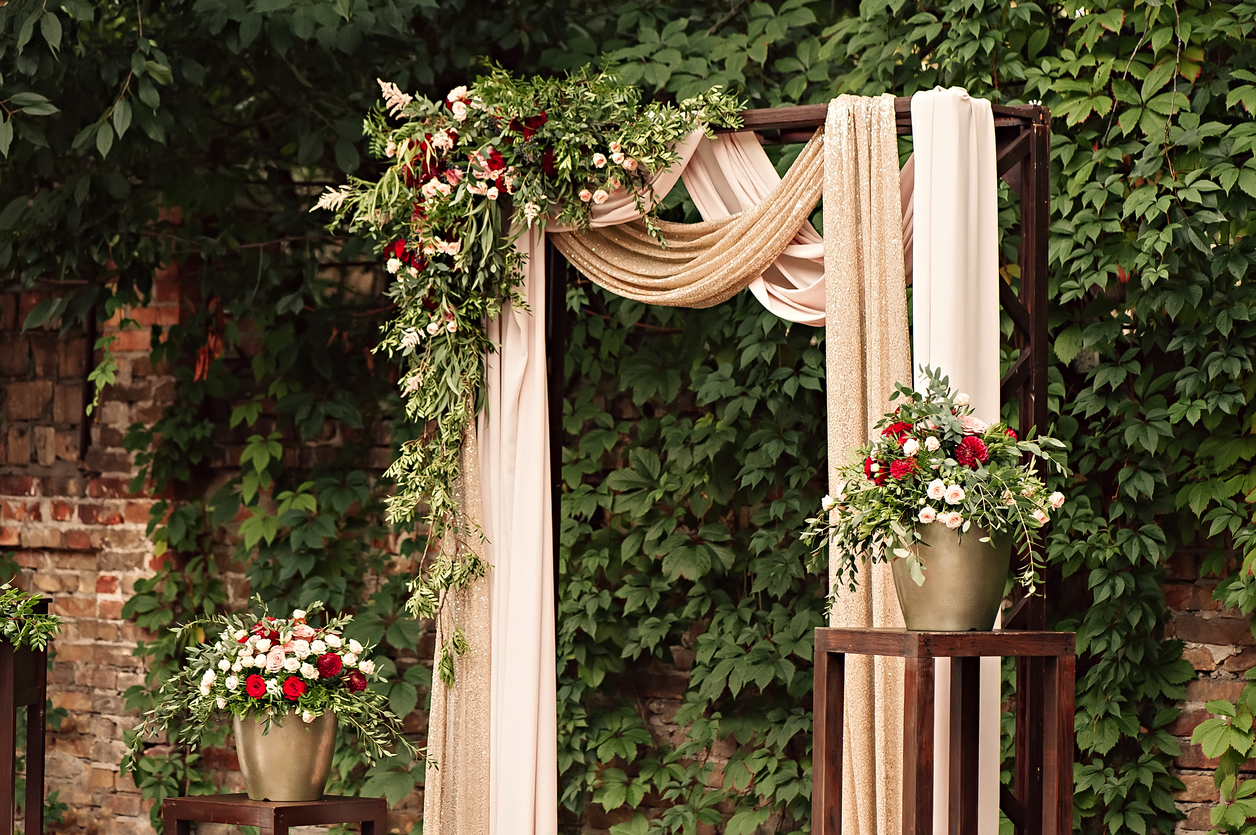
<point x="497" y="762"/>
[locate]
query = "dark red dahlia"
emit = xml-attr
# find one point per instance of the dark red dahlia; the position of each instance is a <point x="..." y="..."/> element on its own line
<point x="355" y="682"/>
<point x="972" y="452"/>
<point x="902" y="468"/>
<point x="329" y="665"/>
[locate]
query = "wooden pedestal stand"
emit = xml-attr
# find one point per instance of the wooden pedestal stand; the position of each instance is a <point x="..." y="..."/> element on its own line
<point x="1042" y="803"/>
<point x="23" y="683"/>
<point x="177" y="813"/>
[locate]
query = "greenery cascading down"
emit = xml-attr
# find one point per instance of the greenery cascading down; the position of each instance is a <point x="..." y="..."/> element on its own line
<point x="694" y="447"/>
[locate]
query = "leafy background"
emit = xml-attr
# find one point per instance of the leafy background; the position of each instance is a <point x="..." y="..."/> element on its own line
<point x="694" y="438"/>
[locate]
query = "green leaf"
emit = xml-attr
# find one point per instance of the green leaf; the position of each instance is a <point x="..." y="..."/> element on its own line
<point x="1068" y="344"/>
<point x="6" y="136"/>
<point x="50" y="28"/>
<point x="104" y="139"/>
<point x="121" y="117"/>
<point x="47" y="311"/>
<point x="159" y="73"/>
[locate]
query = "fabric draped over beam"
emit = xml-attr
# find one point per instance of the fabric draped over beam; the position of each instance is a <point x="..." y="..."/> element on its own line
<point x="754" y="234"/>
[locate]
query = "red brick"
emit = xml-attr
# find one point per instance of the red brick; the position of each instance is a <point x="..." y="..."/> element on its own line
<point x="1207" y="689"/>
<point x="10" y="536"/>
<point x="67" y="403"/>
<point x="1186" y="721"/>
<point x="156" y="314"/>
<point x="1198" y="819"/>
<point x="18" y="448"/>
<point x="41" y="537"/>
<point x="61" y="511"/>
<point x="73" y="487"/>
<point x="108" y="488"/>
<point x="133" y="341"/>
<point x="110" y="609"/>
<point x="13" y="511"/>
<point x="136" y="512"/>
<point x="1197" y="789"/>
<point x="17" y="485"/>
<point x="1241" y="662"/>
<point x="15" y="360"/>
<point x="77" y="540"/>
<point x="28" y="401"/>
<point x="1219" y="630"/>
<point x="44" y="356"/>
<point x="72" y="359"/>
<point x="104" y="461"/>
<point x="1191" y="596"/>
<point x="166" y="286"/>
<point x="8" y="312"/>
<point x="33" y="512"/>
<point x="106" y="584"/>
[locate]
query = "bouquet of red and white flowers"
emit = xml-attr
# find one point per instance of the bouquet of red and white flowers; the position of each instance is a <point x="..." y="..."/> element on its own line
<point x="933" y="462"/>
<point x="268" y="667"/>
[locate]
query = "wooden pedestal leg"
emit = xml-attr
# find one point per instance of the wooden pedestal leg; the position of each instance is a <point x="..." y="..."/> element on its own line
<point x="828" y="708"/>
<point x="1057" y="767"/>
<point x="1029" y="739"/>
<point x="375" y="826"/>
<point x="965" y="710"/>
<point x="35" y="719"/>
<point x="8" y="728"/>
<point x="918" y="746"/>
<point x="172" y="825"/>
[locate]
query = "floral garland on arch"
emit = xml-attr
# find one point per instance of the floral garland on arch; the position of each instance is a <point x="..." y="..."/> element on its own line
<point x="461" y="170"/>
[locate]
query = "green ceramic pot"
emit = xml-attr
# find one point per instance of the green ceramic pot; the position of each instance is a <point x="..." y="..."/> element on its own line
<point x="964" y="580"/>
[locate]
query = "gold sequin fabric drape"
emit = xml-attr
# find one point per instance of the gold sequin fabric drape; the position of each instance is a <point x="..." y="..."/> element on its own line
<point x="704" y="263"/>
<point x="868" y="352"/>
<point x="455" y="799"/>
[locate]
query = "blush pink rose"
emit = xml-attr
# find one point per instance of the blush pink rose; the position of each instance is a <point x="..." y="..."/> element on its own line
<point x="274" y="660"/>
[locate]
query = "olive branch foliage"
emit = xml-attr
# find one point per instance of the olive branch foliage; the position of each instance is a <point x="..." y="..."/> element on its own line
<point x="238" y="115"/>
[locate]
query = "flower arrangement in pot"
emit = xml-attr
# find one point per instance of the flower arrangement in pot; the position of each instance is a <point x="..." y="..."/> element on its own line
<point x="286" y="684"/>
<point x="943" y="497"/>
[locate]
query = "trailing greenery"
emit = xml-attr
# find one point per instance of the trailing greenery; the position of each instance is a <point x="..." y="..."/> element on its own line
<point x="20" y="625"/>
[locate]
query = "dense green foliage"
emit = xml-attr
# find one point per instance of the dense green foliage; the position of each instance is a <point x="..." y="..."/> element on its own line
<point x="237" y="112"/>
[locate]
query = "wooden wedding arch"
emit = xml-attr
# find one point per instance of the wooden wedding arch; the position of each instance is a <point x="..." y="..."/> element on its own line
<point x="1023" y="144"/>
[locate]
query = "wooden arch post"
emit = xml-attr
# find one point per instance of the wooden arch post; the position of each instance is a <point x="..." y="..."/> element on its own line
<point x="1023" y="147"/>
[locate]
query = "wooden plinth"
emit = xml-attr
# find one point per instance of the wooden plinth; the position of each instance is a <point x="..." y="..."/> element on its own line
<point x="177" y="813"/>
<point x="1042" y="803"/>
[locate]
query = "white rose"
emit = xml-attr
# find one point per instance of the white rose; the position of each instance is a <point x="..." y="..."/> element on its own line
<point x="204" y="689"/>
<point x="237" y="667"/>
<point x="599" y="160"/>
<point x="355" y="647"/>
<point x="393" y="265"/>
<point x="333" y="640"/>
<point x="245" y="661"/>
<point x="1041" y="516"/>
<point x="433" y="328"/>
<point x="209" y="677"/>
<point x="1056" y="499"/>
<point x="259" y="661"/>
<point x="349" y="659"/>
<point x="972" y="425"/>
<point x="927" y="515"/>
<point x="460" y="111"/>
<point x="911" y="446"/>
<point x="232" y="682"/>
<point x="936" y="489"/>
<point x="492" y="193"/>
<point x="318" y="647"/>
<point x="224" y="665"/>
<point x="263" y="644"/>
<point x="301" y="649"/>
<point x="222" y="703"/>
<point x="307" y="717"/>
<point x="600" y="197"/>
<point x="367" y="666"/>
<point x="826" y="504"/>
<point x="309" y="671"/>
<point x="932" y="444"/>
<point x="954" y="520"/>
<point x="291" y="664"/>
<point x="617" y="157"/>
<point x="954" y="495"/>
<point x="457" y="94"/>
<point x="961" y="399"/>
<point x="238" y="634"/>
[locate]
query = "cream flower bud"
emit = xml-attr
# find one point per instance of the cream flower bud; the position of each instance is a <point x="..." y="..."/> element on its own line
<point x="932" y="444"/>
<point x="936" y="489"/>
<point x="307" y="717"/>
<point x="585" y="195"/>
<point x="367" y="666"/>
<point x="354" y="646"/>
<point x="927" y="515"/>
<point x="318" y="647"/>
<point x="231" y="682"/>
<point x="263" y="644"/>
<point x="349" y="659"/>
<point x="826" y="504"/>
<point x="224" y="665"/>
<point x="911" y="446"/>
<point x="954" y="520"/>
<point x="954" y="494"/>
<point x="599" y="160"/>
<point x="333" y="640"/>
<point x="291" y="664"/>
<point x="221" y="702"/>
<point x="1056" y="499"/>
<point x="600" y="196"/>
<point x="309" y="671"/>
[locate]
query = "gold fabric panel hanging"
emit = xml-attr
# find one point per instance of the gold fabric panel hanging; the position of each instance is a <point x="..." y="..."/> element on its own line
<point x="704" y="263"/>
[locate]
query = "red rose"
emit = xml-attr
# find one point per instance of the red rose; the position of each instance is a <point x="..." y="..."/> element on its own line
<point x="547" y="163"/>
<point x="902" y="468"/>
<point x="329" y="665"/>
<point x="1010" y="432"/>
<point x="255" y="686"/>
<point x="293" y="689"/>
<point x="880" y="475"/>
<point x="356" y="682"/>
<point x="972" y="452"/>
<point x="897" y="431"/>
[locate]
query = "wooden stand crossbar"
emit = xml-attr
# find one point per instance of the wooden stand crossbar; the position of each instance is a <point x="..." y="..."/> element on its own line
<point x="23" y="683"/>
<point x="1043" y="801"/>
<point x="177" y="813"/>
